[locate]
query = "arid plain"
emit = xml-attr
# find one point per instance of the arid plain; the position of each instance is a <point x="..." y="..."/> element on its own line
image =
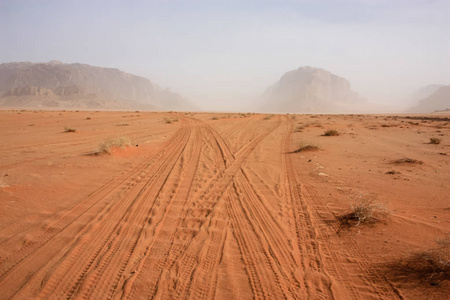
<point x="222" y="206"/>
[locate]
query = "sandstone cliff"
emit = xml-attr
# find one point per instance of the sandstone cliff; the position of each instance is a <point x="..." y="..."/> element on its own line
<point x="311" y="90"/>
<point x="81" y="85"/>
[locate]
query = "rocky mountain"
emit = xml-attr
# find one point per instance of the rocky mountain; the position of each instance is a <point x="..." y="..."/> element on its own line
<point x="311" y="90"/>
<point x="439" y="100"/>
<point x="56" y="84"/>
<point x="423" y="93"/>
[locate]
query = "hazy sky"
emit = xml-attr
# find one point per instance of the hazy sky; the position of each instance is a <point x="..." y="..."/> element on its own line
<point x="222" y="54"/>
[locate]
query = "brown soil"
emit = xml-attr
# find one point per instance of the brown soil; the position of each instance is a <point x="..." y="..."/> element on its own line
<point x="218" y="206"/>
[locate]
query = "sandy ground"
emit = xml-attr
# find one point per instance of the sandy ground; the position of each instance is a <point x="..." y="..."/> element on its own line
<point x="219" y="206"/>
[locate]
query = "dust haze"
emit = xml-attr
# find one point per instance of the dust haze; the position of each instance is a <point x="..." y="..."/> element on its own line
<point x="223" y="55"/>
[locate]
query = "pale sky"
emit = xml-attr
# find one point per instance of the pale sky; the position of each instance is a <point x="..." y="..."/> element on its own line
<point x="223" y="54"/>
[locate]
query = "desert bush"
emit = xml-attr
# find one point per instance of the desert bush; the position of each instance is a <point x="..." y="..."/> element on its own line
<point x="170" y="120"/>
<point x="364" y="209"/>
<point x="307" y="147"/>
<point x="268" y="117"/>
<point x="408" y="161"/>
<point x="392" y="172"/>
<point x="106" y="146"/>
<point x="314" y="124"/>
<point x="214" y="118"/>
<point x="331" y="132"/>
<point x="435" y="140"/>
<point x="429" y="265"/>
<point x="69" y="129"/>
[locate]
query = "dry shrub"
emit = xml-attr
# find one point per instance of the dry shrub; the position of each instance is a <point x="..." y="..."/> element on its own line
<point x="69" y="129"/>
<point x="408" y="161"/>
<point x="431" y="266"/>
<point x="435" y="140"/>
<point x="392" y="172"/>
<point x="307" y="147"/>
<point x="314" y="124"/>
<point x="106" y="146"/>
<point x="331" y="132"/>
<point x="365" y="210"/>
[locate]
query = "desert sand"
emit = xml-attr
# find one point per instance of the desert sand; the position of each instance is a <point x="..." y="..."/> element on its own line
<point x="220" y="206"/>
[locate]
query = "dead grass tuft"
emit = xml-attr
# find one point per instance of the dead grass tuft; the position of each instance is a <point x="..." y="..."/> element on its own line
<point x="331" y="132"/>
<point x="69" y="129"/>
<point x="431" y="266"/>
<point x="392" y="172"/>
<point x="408" y="161"/>
<point x="364" y="210"/>
<point x="307" y="147"/>
<point x="106" y="146"/>
<point x="435" y="140"/>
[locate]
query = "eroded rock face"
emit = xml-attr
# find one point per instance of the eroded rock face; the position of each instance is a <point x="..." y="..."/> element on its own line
<point x="69" y="90"/>
<point x="29" y="91"/>
<point x="79" y="80"/>
<point x="309" y="89"/>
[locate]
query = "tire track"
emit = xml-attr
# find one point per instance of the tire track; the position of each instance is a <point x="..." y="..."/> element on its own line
<point x="316" y="280"/>
<point x="182" y="193"/>
<point x="191" y="268"/>
<point x="318" y="260"/>
<point x="42" y="235"/>
<point x="195" y="214"/>
<point x="270" y="235"/>
<point x="135" y="217"/>
<point x="27" y="262"/>
<point x="379" y="285"/>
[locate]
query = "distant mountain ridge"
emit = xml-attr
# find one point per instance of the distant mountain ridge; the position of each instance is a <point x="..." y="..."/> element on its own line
<point x="311" y="90"/>
<point x="423" y="93"/>
<point x="439" y="100"/>
<point x="56" y="84"/>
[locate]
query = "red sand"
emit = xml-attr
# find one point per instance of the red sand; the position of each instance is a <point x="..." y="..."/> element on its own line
<point x="218" y="209"/>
